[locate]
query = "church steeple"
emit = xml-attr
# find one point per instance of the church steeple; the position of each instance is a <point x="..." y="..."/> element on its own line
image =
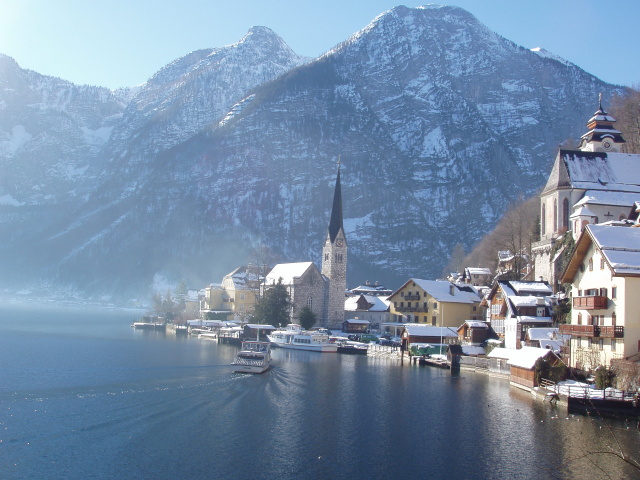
<point x="602" y="135"/>
<point x="335" y="224"/>
<point x="334" y="260"/>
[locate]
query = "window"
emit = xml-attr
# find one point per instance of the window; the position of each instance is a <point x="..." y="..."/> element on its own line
<point x="613" y="344"/>
<point x="433" y="320"/>
<point x="309" y="301"/>
<point x="614" y="292"/>
<point x="613" y="319"/>
<point x="580" y="319"/>
<point x="555" y="214"/>
<point x="591" y="264"/>
<point x="402" y="294"/>
<point x="565" y="213"/>
<point x="601" y="263"/>
<point x="603" y="292"/>
<point x="543" y="220"/>
<point x="435" y="304"/>
<point x="622" y="217"/>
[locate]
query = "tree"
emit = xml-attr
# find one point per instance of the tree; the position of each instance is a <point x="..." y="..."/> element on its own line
<point x="273" y="308"/>
<point x="306" y="318"/>
<point x="626" y="110"/>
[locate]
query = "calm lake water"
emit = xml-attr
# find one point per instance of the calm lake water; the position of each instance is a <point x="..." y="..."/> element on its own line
<point x="84" y="396"/>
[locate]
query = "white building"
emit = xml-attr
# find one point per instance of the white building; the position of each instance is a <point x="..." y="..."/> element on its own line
<point x="604" y="273"/>
<point x="591" y="185"/>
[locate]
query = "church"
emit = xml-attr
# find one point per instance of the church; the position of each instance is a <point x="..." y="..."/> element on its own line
<point x="595" y="183"/>
<point x="323" y="291"/>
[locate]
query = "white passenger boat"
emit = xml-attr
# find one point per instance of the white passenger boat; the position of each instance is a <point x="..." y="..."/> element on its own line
<point x="253" y="357"/>
<point x="295" y="338"/>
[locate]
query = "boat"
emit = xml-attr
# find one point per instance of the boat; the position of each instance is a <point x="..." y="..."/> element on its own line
<point x="353" y="348"/>
<point x="253" y="357"/>
<point x="294" y="337"/>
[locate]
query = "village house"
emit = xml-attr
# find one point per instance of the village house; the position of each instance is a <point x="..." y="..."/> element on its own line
<point x="590" y="185"/>
<point x="514" y="307"/>
<point x="373" y="308"/>
<point x="604" y="273"/>
<point x="421" y="334"/>
<point x="477" y="276"/>
<point x="519" y="364"/>
<point x="434" y="302"/>
<point x="235" y="297"/>
<point x="474" y="332"/>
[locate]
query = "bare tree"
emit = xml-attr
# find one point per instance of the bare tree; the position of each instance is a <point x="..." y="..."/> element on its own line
<point x="626" y="110"/>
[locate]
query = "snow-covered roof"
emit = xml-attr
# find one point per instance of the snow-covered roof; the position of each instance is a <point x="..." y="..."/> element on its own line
<point x="542" y="333"/>
<point x="620" y="246"/>
<point x="441" y="291"/>
<point x="476" y="324"/>
<point x="501" y="352"/>
<point x="379" y="304"/>
<point x="430" y="331"/>
<point x="258" y="326"/>
<point x="528" y="301"/>
<point x="526" y="357"/>
<point x="287" y="271"/>
<point x="541" y="287"/>
<point x="604" y="197"/>
<point x="478" y="271"/>
<point x="354" y="321"/>
<point x="472" y="350"/>
<point x="532" y="319"/>
<point x="603" y="171"/>
<point x="582" y="211"/>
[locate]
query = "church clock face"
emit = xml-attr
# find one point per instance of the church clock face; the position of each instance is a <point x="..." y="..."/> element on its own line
<point x="607" y="144"/>
<point x="339" y="243"/>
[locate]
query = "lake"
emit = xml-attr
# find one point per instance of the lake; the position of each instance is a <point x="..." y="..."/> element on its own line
<point x="85" y="396"/>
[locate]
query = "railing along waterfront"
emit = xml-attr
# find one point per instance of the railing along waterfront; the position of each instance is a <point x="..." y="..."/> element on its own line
<point x="585" y="391"/>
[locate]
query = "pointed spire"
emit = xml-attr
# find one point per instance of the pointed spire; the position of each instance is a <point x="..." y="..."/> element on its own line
<point x="335" y="224"/>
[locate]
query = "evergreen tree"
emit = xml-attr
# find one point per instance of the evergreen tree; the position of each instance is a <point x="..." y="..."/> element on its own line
<point x="306" y="318"/>
<point x="273" y="307"/>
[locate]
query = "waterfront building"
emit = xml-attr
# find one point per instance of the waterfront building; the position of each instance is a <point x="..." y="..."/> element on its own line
<point x="592" y="184"/>
<point x="604" y="273"/>
<point x="434" y="302"/>
<point x="515" y="306"/>
<point x="235" y="297"/>
<point x="373" y="308"/>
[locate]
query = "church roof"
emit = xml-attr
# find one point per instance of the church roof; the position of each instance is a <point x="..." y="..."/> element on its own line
<point x="604" y="197"/>
<point x="288" y="272"/>
<point x="335" y="224"/>
<point x="595" y="171"/>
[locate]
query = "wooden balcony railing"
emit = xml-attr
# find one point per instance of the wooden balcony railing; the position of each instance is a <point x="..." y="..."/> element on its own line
<point x="592" y="331"/>
<point x="579" y="330"/>
<point x="595" y="302"/>
<point x="611" y="332"/>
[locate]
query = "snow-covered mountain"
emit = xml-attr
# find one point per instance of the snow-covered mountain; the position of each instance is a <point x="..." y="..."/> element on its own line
<point x="439" y="123"/>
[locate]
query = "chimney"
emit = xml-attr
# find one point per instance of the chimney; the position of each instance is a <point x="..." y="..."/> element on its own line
<point x="452" y="290"/>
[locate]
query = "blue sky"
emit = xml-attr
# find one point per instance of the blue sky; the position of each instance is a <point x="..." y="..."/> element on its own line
<point x="117" y="43"/>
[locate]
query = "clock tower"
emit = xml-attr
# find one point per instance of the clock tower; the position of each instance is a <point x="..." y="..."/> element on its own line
<point x="602" y="135"/>
<point x="334" y="261"/>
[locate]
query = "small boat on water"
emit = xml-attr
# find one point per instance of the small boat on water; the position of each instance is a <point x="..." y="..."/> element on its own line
<point x="295" y="338"/>
<point x="253" y="357"/>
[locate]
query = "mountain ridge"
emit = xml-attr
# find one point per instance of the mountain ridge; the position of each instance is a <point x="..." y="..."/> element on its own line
<point x="439" y="122"/>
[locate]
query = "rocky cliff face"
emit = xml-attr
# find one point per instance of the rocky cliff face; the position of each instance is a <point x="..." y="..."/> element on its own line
<point x="439" y="124"/>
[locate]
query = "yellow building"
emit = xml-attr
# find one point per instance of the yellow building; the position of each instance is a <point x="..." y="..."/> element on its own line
<point x="434" y="302"/>
<point x="237" y="294"/>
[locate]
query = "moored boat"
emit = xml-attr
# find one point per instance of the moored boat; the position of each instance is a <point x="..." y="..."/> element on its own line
<point x="295" y="338"/>
<point x="253" y="357"/>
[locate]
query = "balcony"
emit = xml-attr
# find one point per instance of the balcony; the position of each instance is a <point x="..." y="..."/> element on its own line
<point x="592" y="331"/>
<point x="611" y="332"/>
<point x="579" y="330"/>
<point x="408" y="309"/>
<point x="595" y="302"/>
<point x="412" y="297"/>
